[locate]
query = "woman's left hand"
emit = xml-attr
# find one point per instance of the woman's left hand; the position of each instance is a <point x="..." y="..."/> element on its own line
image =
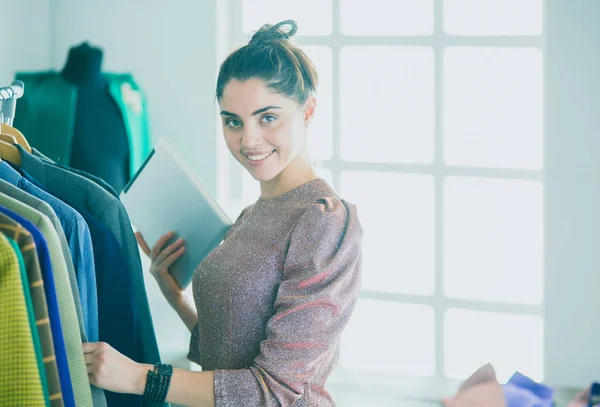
<point x="110" y="370"/>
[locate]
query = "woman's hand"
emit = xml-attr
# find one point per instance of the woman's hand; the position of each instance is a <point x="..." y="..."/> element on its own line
<point x="162" y="259"/>
<point x="110" y="370"/>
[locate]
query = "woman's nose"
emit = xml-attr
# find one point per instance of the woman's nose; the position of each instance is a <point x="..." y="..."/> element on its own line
<point x="250" y="138"/>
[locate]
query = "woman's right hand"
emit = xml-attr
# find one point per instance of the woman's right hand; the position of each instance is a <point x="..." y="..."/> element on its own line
<point x="162" y="259"/>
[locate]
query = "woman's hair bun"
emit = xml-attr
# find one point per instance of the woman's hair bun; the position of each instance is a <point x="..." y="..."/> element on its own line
<point x="281" y="31"/>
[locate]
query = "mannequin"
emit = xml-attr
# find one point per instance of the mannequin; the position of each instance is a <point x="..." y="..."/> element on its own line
<point x="100" y="145"/>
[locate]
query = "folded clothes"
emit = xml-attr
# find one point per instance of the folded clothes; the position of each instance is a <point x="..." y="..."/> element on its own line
<point x="521" y="391"/>
<point x="581" y="399"/>
<point x="482" y="389"/>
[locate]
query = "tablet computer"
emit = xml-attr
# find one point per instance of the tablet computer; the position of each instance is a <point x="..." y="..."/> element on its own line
<point x="165" y="195"/>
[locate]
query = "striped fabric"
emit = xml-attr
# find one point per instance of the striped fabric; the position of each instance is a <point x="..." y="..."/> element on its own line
<point x="32" y="323"/>
<point x="20" y="383"/>
<point x="23" y="238"/>
<point x="68" y="315"/>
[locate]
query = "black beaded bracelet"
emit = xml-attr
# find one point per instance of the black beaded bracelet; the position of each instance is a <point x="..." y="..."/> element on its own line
<point x="158" y="383"/>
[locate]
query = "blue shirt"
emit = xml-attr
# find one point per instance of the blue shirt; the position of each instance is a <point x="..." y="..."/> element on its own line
<point x="80" y="246"/>
<point x="117" y="310"/>
<point x="60" y="349"/>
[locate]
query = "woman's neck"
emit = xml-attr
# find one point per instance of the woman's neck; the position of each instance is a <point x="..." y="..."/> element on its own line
<point x="297" y="173"/>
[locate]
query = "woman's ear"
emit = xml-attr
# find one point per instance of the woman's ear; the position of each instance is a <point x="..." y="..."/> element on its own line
<point x="309" y="110"/>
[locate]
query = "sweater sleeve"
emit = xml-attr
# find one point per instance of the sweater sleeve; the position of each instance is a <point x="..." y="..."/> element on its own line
<point x="320" y="287"/>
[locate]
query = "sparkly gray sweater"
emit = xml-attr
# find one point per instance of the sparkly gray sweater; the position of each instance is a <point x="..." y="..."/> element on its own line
<point x="274" y="297"/>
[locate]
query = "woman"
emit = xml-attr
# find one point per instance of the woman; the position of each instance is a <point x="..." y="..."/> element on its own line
<point x="272" y="300"/>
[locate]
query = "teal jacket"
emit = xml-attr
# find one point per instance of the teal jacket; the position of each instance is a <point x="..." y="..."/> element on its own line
<point x="46" y="114"/>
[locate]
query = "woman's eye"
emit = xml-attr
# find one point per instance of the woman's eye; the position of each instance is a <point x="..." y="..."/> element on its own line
<point x="233" y="123"/>
<point x="268" y="118"/>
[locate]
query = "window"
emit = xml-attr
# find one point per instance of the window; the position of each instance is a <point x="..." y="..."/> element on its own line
<point x="430" y="120"/>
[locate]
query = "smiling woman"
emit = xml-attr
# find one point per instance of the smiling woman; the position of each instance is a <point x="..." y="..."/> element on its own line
<point x="270" y="141"/>
<point x="267" y="92"/>
<point x="272" y="300"/>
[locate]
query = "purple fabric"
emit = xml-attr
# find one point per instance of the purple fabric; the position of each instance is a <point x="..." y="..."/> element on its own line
<point x="521" y="391"/>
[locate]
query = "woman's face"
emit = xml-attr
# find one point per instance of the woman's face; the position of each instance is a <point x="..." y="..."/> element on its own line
<point x="264" y="130"/>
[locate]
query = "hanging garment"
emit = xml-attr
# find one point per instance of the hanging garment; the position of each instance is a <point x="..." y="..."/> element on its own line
<point x="68" y="316"/>
<point x="84" y="174"/>
<point x="26" y="243"/>
<point x="20" y="382"/>
<point x="58" y="340"/>
<point x="117" y="310"/>
<point x="110" y="212"/>
<point x="35" y="337"/>
<point x="41" y="206"/>
<point x="80" y="246"/>
<point x="47" y="114"/>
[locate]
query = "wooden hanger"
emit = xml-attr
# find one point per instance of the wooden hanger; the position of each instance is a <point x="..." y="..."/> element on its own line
<point x="8" y="138"/>
<point x="10" y="153"/>
<point x="9" y="150"/>
<point x="18" y="136"/>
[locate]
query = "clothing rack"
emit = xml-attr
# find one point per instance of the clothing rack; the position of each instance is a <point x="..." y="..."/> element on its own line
<point x="8" y="97"/>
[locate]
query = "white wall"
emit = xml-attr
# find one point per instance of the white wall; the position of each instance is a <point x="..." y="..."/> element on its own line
<point x="572" y="69"/>
<point x="170" y="48"/>
<point x="25" y="37"/>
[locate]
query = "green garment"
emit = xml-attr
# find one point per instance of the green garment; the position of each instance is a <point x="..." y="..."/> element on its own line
<point x="32" y="322"/>
<point x="46" y="115"/>
<point x="20" y="381"/>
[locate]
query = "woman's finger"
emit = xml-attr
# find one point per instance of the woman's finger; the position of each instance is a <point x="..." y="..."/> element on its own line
<point x="167" y="251"/>
<point x="159" y="245"/>
<point x="142" y="242"/>
<point x="173" y="258"/>
<point x="89" y="347"/>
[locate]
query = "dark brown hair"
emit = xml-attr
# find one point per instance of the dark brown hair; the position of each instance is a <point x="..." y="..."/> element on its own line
<point x="271" y="57"/>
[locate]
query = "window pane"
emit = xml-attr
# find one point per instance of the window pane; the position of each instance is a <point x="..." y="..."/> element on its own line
<point x="493" y="105"/>
<point x="493" y="17"/>
<point x="320" y="133"/>
<point x="391" y="338"/>
<point x="493" y="240"/>
<point x="387" y="104"/>
<point x="509" y="342"/>
<point x="397" y="215"/>
<point x="313" y="16"/>
<point x="326" y="175"/>
<point x="386" y="17"/>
